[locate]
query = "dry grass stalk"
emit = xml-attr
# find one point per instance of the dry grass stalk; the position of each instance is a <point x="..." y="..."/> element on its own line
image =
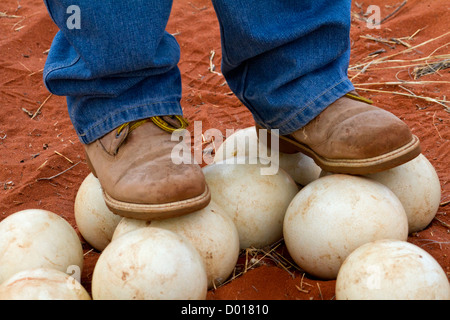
<point x="379" y="60"/>
<point x="390" y="83"/>
<point x="253" y="257"/>
<point x="410" y="63"/>
<point x="427" y="58"/>
<point x="363" y="67"/>
<point x="443" y="223"/>
<point x="400" y="41"/>
<point x="33" y="73"/>
<point x="58" y="174"/>
<point x="434" y="124"/>
<point x="60" y="154"/>
<point x="212" y="67"/>
<point x="429" y="99"/>
<point x="30" y="114"/>
<point x="86" y="253"/>
<point x="431" y="242"/>
<point x="197" y="8"/>
<point x="430" y="68"/>
<point x="25" y="66"/>
<point x="320" y="291"/>
<point x="414" y="34"/>
<point x="363" y="70"/>
<point x="11" y="16"/>
<point x="301" y="288"/>
<point x="393" y="12"/>
<point x="398" y="67"/>
<point x="40" y="107"/>
<point x="378" y="39"/>
<point x="389" y="42"/>
<point x="42" y="165"/>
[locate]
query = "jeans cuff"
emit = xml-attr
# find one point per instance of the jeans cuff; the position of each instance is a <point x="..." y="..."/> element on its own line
<point x="308" y="112"/>
<point x="128" y="114"/>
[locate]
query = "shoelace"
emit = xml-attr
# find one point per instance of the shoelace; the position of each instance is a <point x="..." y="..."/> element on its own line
<point x="359" y="98"/>
<point x="159" y="121"/>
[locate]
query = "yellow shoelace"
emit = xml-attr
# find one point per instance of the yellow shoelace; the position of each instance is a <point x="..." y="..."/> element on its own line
<point x="156" y="120"/>
<point x="359" y="98"/>
<point x="160" y="122"/>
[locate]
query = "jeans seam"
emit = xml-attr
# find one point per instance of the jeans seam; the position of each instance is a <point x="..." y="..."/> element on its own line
<point x="121" y="111"/>
<point x="312" y="102"/>
<point x="249" y="105"/>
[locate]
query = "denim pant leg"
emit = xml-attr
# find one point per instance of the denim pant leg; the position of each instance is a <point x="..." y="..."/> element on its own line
<point x="114" y="61"/>
<point x="286" y="60"/>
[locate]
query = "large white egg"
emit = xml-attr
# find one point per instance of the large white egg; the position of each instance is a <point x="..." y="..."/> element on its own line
<point x="255" y="202"/>
<point x="244" y="143"/>
<point x="209" y="230"/>
<point x="300" y="167"/>
<point x="334" y="215"/>
<point x="417" y="186"/>
<point x="391" y="270"/>
<point x="149" y="264"/>
<point x="95" y="221"/>
<point x="37" y="238"/>
<point x="42" y="284"/>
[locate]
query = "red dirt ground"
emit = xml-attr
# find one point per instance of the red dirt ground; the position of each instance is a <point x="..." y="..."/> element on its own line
<point x="28" y="147"/>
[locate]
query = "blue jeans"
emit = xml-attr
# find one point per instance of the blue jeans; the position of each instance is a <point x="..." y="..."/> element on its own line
<point x="286" y="60"/>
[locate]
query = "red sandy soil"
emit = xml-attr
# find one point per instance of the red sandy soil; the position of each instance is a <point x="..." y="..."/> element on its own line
<point x="28" y="147"/>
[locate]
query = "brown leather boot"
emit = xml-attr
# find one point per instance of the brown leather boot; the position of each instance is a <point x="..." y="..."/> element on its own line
<point x="354" y="137"/>
<point x="138" y="175"/>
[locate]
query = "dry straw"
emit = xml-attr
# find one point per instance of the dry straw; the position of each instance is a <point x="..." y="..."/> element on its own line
<point x="255" y="257"/>
<point x="430" y="64"/>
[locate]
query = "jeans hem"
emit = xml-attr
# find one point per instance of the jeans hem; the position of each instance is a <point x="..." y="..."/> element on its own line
<point x="305" y="114"/>
<point x="50" y="69"/>
<point x="128" y="114"/>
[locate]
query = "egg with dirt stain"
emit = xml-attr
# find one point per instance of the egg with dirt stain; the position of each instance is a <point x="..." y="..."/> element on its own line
<point x="334" y="215"/>
<point x="95" y="221"/>
<point x="209" y="230"/>
<point x="255" y="201"/>
<point x="42" y="284"/>
<point x="417" y="186"/>
<point x="149" y="264"/>
<point x="391" y="270"/>
<point x="36" y="238"/>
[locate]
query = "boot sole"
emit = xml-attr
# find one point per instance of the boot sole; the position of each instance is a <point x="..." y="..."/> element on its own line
<point x="157" y="211"/>
<point x="354" y="166"/>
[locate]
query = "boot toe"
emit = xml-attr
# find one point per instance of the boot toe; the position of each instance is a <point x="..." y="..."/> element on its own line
<point x="368" y="135"/>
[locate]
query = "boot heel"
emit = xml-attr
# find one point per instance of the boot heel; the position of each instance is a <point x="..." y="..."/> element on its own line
<point x="286" y="147"/>
<point x="283" y="145"/>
